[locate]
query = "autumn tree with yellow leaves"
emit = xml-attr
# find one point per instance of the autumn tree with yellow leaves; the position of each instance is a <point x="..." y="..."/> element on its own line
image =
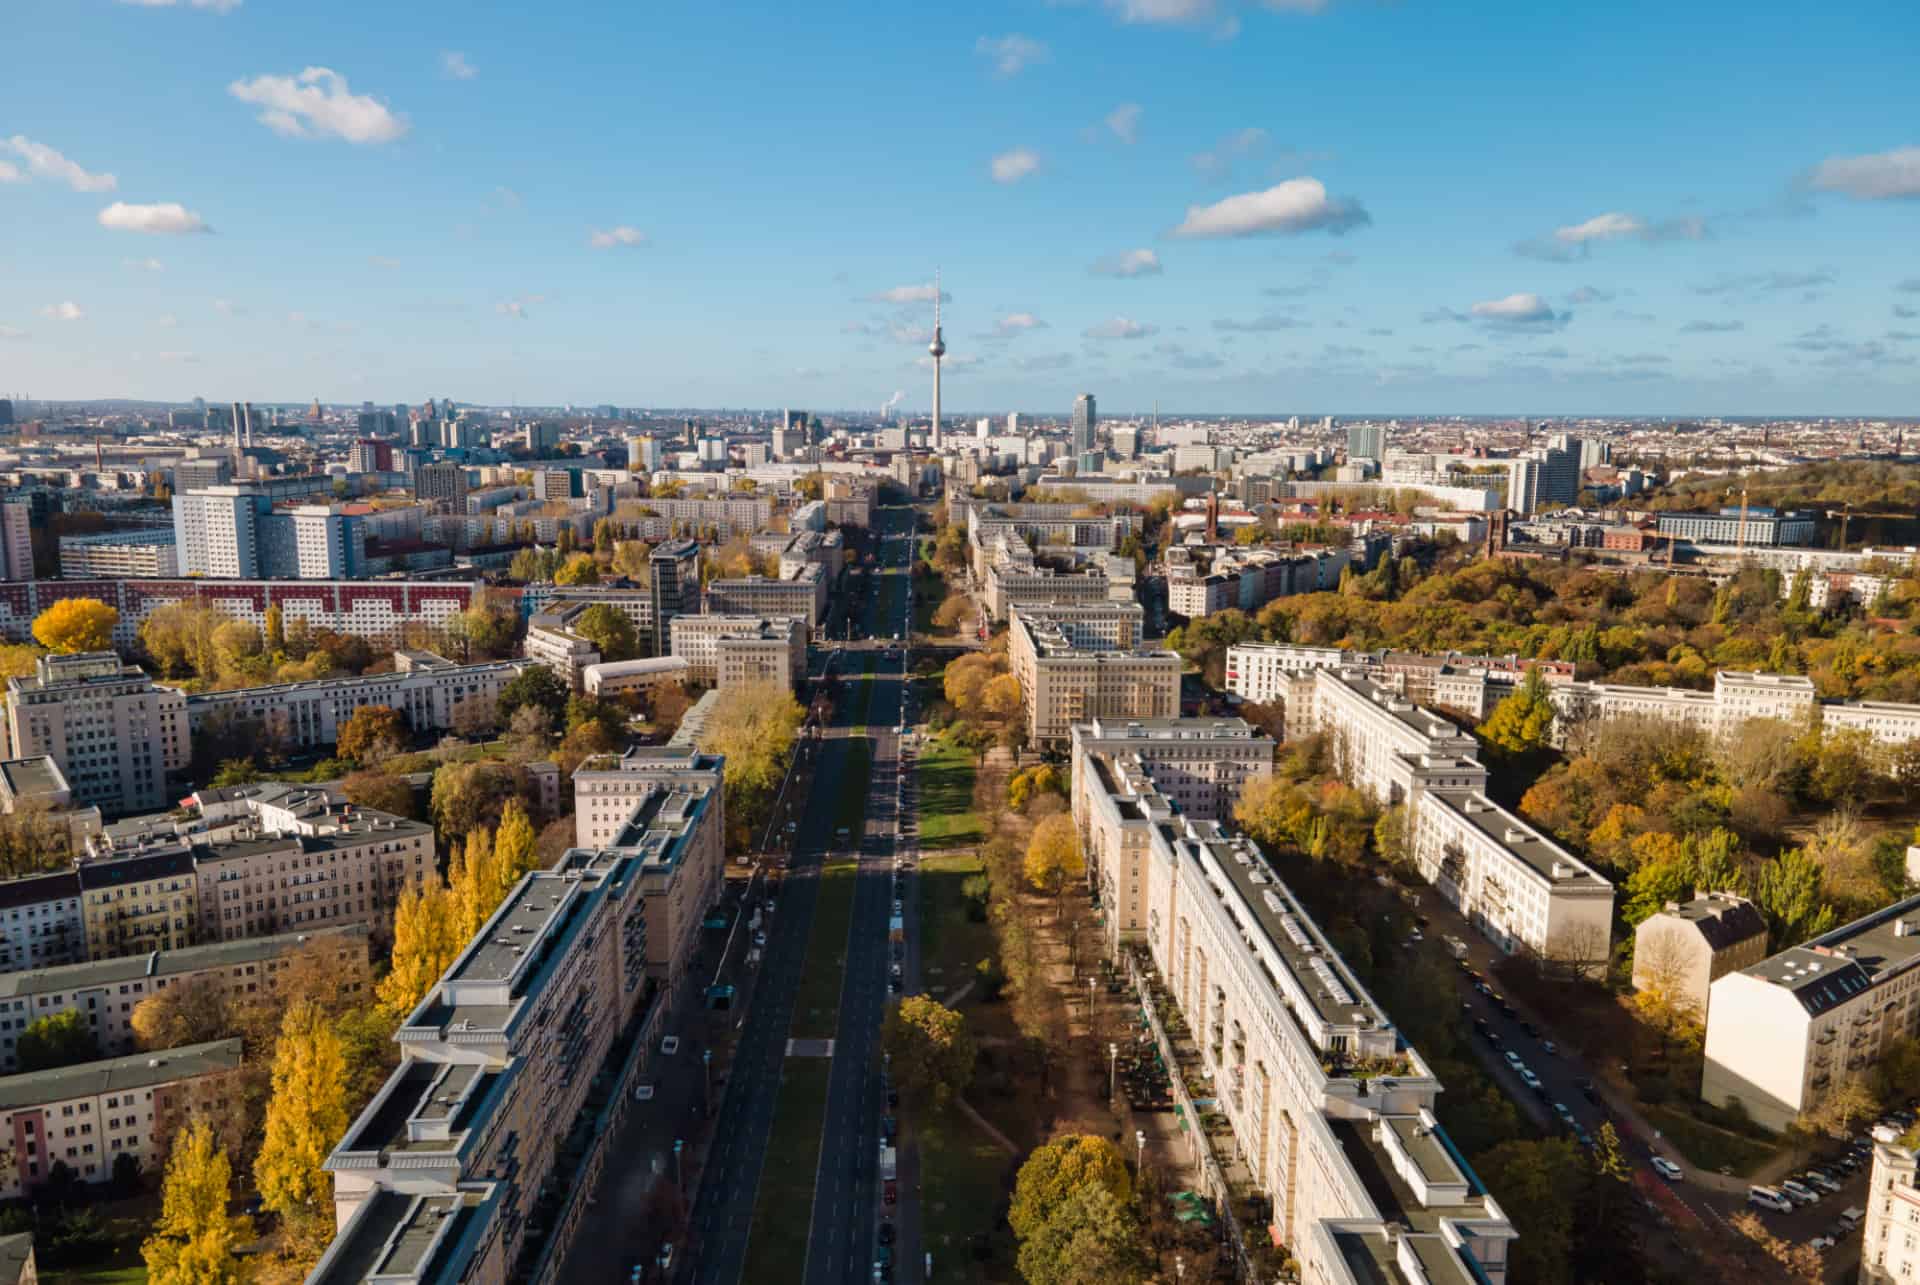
<point x="76" y="624"/>
<point x="194" y="1241"/>
<point x="306" y="1117"/>
<point x="426" y="941"/>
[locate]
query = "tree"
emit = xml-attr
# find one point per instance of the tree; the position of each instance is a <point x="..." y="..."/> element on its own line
<point x="1841" y="1110"/>
<point x="952" y="612"/>
<point x="754" y="725"/>
<point x="276" y="628"/>
<point x="1539" y="1184"/>
<point x="1053" y="855"/>
<point x="931" y="1048"/>
<point x="1000" y="698"/>
<point x="426" y="941"/>
<point x="530" y="732"/>
<point x="535" y="685"/>
<point x="76" y="624"/>
<point x="193" y="1011"/>
<point x="474" y="717"/>
<point x="1522" y="723"/>
<point x="513" y="844"/>
<point x="195" y="1239"/>
<point x="59" y="1039"/>
<point x="609" y="629"/>
<point x="577" y="570"/>
<point x="306" y="1116"/>
<point x="379" y="791"/>
<point x="470" y="796"/>
<point x="1057" y="1169"/>
<point x="478" y="883"/>
<point x="373" y="734"/>
<point x="1788" y="894"/>
<point x="1092" y="1236"/>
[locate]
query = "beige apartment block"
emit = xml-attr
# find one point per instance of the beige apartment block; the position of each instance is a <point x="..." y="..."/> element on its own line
<point x="726" y="650"/>
<point x="113" y="732"/>
<point x="1077" y="663"/>
<point x="1687" y="946"/>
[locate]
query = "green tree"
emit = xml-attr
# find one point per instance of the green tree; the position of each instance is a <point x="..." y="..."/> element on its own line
<point x="1091" y="1236"/>
<point x="471" y="796"/>
<point x="1057" y="1169"/>
<point x="1789" y="895"/>
<point x="1539" y="1185"/>
<point x="1522" y="723"/>
<point x="932" y="1052"/>
<point x="59" y="1039"/>
<point x="534" y="685"/>
<point x="195" y="1240"/>
<point x="611" y="630"/>
<point x="306" y="1116"/>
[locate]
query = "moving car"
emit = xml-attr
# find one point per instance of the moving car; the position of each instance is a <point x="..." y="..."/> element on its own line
<point x="1531" y="1080"/>
<point x="1666" y="1169"/>
<point x="669" y="1046"/>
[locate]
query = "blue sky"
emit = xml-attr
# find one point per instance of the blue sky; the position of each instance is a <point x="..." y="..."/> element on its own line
<point x="1472" y="206"/>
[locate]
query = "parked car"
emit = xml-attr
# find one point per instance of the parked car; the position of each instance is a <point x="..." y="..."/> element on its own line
<point x="1667" y="1169"/>
<point x="1549" y="1048"/>
<point x="1565" y="1116"/>
<point x="1820" y="1181"/>
<point x="1799" y="1193"/>
<point x="1531" y="1080"/>
<point x="670" y="1045"/>
<point x="1769" y="1199"/>
<point x="1514" y="1060"/>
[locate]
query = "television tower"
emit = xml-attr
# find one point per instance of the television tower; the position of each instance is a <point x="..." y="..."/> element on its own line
<point x="939" y="349"/>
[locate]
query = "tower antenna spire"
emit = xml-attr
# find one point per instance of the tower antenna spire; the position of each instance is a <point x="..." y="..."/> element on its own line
<point x="937" y="349"/>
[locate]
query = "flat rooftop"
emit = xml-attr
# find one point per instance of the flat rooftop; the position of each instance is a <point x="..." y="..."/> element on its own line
<point x="170" y="963"/>
<point x="117" y="1074"/>
<point x="1540" y="854"/>
<point x="1831" y="969"/>
<point x="396" y="1238"/>
<point x="1420" y="722"/>
<point x="31" y="776"/>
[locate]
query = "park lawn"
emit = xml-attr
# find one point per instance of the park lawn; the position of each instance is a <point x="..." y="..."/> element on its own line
<point x="783" y="1209"/>
<point x="945" y="775"/>
<point x="963" y="1192"/>
<point x="951" y="941"/>
<point x="850" y="810"/>
<point x="1707" y="1146"/>
<point x="816" y="1007"/>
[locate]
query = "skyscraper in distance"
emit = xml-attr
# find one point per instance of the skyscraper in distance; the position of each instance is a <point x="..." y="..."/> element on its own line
<point x="938" y="349"/>
<point x="1085" y="419"/>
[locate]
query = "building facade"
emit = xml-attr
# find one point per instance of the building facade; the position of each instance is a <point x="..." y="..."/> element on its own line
<point x="726" y="650"/>
<point x="1684" y="948"/>
<point x="118" y="555"/>
<point x="113" y="732"/>
<point x="1079" y="663"/>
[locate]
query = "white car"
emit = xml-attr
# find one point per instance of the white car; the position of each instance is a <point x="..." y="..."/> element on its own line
<point x="669" y="1046"/>
<point x="1799" y="1193"/>
<point x="1769" y="1199"/>
<point x="1666" y="1169"/>
<point x="1529" y="1079"/>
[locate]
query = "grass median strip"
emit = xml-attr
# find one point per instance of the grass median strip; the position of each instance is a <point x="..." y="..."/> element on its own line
<point x="963" y="1179"/>
<point x="816" y="1010"/>
<point x="783" y="1209"/>
<point x="945" y="777"/>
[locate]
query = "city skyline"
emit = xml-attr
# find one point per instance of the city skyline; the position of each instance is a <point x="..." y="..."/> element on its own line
<point x="597" y="206"/>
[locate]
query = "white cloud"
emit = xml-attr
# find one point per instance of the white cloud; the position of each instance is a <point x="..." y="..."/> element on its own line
<point x="454" y="65"/>
<point x="1163" y="11"/>
<point x="617" y="237"/>
<point x="228" y="308"/>
<point x="68" y="311"/>
<point x="168" y="218"/>
<point x="47" y="163"/>
<point x="216" y="6"/>
<point x="12" y="332"/>
<point x="166" y="321"/>
<point x="1297" y="205"/>
<point x="1127" y="263"/>
<point x="1124" y="121"/>
<point x="145" y="265"/>
<point x="517" y="308"/>
<point x="10" y="173"/>
<point x="1601" y="227"/>
<point x="1877" y="177"/>
<point x="1016" y="323"/>
<point x="1120" y="328"/>
<point x="318" y="104"/>
<point x="1011" y="54"/>
<point x="1516" y="310"/>
<point x="912" y="294"/>
<point x="1265" y="322"/>
<point x="1011" y="167"/>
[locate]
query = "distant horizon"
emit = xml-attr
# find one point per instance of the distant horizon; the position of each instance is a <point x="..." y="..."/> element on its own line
<point x="1204" y="203"/>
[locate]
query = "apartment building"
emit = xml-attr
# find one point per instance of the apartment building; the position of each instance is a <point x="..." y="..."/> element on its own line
<point x="139" y="904"/>
<point x="1737" y="524"/>
<point x="637" y="605"/>
<point x="438" y="1178"/>
<point x="1011" y="587"/>
<point x="550" y="641"/>
<point x="738" y="513"/>
<point x="1261" y="672"/>
<point x="1518" y="887"/>
<point x="34" y="789"/>
<point x="667" y="803"/>
<point x="118" y="555"/>
<point x="1200" y="765"/>
<point x="423" y="687"/>
<point x="1077" y="663"/>
<point x="1332" y="1112"/>
<point x="803" y="596"/>
<point x="304" y="863"/>
<point x="107" y="991"/>
<point x="1785" y="1033"/>
<point x="1685" y="947"/>
<point x="40" y="921"/>
<point x="726" y="650"/>
<point x="1890" y="1244"/>
<point x="236" y="533"/>
<point x="88" y="1115"/>
<point x="113" y="732"/>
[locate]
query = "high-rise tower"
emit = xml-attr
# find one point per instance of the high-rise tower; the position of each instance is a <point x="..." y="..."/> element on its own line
<point x="939" y="349"/>
<point x="1086" y="420"/>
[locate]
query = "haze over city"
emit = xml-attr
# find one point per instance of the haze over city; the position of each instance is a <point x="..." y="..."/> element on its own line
<point x="1211" y="206"/>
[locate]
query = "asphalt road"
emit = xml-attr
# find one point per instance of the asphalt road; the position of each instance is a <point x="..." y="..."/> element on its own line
<point x="847" y="1203"/>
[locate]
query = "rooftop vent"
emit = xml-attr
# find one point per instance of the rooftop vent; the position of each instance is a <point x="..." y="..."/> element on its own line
<point x="1514" y="834"/>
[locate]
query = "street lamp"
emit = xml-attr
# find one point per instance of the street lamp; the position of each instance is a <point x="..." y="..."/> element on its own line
<point x="1179" y="1267"/>
<point x="706" y="1071"/>
<point x="1139" y="1153"/>
<point x="1090" y="1023"/>
<point x="1113" y="1063"/>
<point x="678" y="1181"/>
